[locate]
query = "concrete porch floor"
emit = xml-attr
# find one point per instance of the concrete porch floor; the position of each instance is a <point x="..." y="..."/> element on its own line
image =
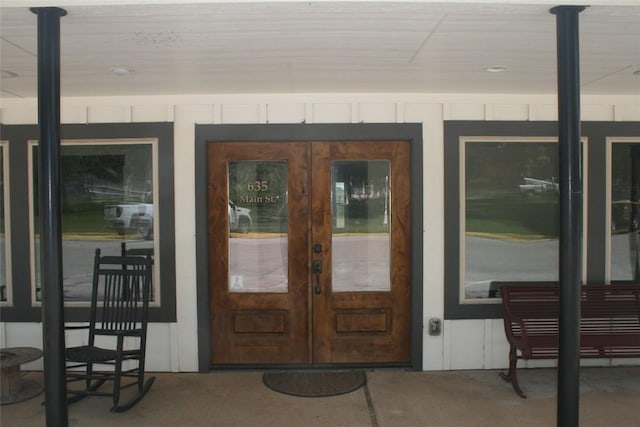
<point x="391" y="398"/>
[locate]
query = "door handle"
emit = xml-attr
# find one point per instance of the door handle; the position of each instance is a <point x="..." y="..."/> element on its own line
<point x="317" y="270"/>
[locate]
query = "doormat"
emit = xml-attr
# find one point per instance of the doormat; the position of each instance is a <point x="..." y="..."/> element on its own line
<point x="315" y="384"/>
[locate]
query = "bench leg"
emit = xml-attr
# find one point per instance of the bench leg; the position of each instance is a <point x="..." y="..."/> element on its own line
<point x="510" y="376"/>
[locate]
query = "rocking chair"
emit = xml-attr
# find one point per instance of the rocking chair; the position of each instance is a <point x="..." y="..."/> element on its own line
<point x="117" y="332"/>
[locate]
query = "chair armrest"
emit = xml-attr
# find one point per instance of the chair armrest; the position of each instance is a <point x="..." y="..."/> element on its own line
<point x="70" y="328"/>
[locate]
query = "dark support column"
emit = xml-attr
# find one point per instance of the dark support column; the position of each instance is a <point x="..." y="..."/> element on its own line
<point x="570" y="213"/>
<point x="55" y="386"/>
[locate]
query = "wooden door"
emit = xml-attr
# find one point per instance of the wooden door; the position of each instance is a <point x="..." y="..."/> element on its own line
<point x="258" y="280"/>
<point x="321" y="274"/>
<point x="361" y="311"/>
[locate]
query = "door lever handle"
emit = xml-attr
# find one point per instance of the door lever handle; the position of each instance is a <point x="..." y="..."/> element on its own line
<point x="317" y="266"/>
<point x="317" y="270"/>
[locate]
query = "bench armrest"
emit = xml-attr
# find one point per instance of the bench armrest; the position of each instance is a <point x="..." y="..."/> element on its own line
<point x="511" y="338"/>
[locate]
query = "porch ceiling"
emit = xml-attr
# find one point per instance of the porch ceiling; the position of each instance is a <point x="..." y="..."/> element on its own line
<point x="315" y="47"/>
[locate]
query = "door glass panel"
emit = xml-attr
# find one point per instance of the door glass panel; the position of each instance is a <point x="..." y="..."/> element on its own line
<point x="361" y="218"/>
<point x="258" y="229"/>
<point x="625" y="215"/>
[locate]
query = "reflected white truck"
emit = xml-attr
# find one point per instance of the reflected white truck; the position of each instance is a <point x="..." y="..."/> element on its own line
<point x="128" y="217"/>
<point x="239" y="218"/>
<point x="533" y="185"/>
<point x="138" y="217"/>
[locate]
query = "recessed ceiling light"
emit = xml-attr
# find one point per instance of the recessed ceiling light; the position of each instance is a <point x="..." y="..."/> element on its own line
<point x="122" y="71"/>
<point x="6" y="74"/>
<point x="495" y="69"/>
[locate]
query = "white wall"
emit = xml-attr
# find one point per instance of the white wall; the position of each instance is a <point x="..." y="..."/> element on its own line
<point x="464" y="344"/>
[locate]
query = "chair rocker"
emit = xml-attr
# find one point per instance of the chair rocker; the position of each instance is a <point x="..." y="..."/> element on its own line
<point x="117" y="332"/>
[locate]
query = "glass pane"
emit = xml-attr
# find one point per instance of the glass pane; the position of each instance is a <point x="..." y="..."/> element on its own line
<point x="511" y="213"/>
<point x="107" y="199"/>
<point x="258" y="229"/>
<point x="625" y="188"/>
<point x="361" y="218"/>
<point x="3" y="258"/>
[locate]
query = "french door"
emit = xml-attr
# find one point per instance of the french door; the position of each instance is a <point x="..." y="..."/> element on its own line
<point x="309" y="252"/>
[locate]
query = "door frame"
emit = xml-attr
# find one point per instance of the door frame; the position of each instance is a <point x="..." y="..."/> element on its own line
<point x="411" y="132"/>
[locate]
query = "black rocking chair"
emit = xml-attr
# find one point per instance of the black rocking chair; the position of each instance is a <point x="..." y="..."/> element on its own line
<point x="117" y="332"/>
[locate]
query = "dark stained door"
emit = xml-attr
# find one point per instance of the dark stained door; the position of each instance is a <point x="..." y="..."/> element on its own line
<point x="360" y="218"/>
<point x="309" y="252"/>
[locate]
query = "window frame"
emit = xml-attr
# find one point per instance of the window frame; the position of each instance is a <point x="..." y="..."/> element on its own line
<point x="610" y="141"/>
<point x="23" y="308"/>
<point x="153" y="142"/>
<point x="595" y="183"/>
<point x="411" y="132"/>
<point x="463" y="203"/>
<point x="8" y="301"/>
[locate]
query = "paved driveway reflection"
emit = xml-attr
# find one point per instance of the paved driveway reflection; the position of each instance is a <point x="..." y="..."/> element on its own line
<point x="259" y="264"/>
<point x="77" y="262"/>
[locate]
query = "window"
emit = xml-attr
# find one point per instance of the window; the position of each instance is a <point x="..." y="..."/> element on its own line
<point x="623" y="213"/>
<point x="502" y="205"/>
<point x="257" y="195"/>
<point x="510" y="213"/>
<point x="5" y="244"/>
<point x="107" y="198"/>
<point x="361" y="232"/>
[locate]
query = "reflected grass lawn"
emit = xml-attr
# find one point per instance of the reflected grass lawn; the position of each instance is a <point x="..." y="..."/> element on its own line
<point x="533" y="217"/>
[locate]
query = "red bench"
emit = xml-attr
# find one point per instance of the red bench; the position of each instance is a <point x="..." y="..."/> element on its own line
<point x="609" y="323"/>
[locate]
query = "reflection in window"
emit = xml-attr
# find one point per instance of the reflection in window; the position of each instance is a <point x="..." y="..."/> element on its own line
<point x="4" y="286"/>
<point x="511" y="213"/>
<point x="624" y="213"/>
<point x="258" y="229"/>
<point x="107" y="198"/>
<point x="360" y="242"/>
